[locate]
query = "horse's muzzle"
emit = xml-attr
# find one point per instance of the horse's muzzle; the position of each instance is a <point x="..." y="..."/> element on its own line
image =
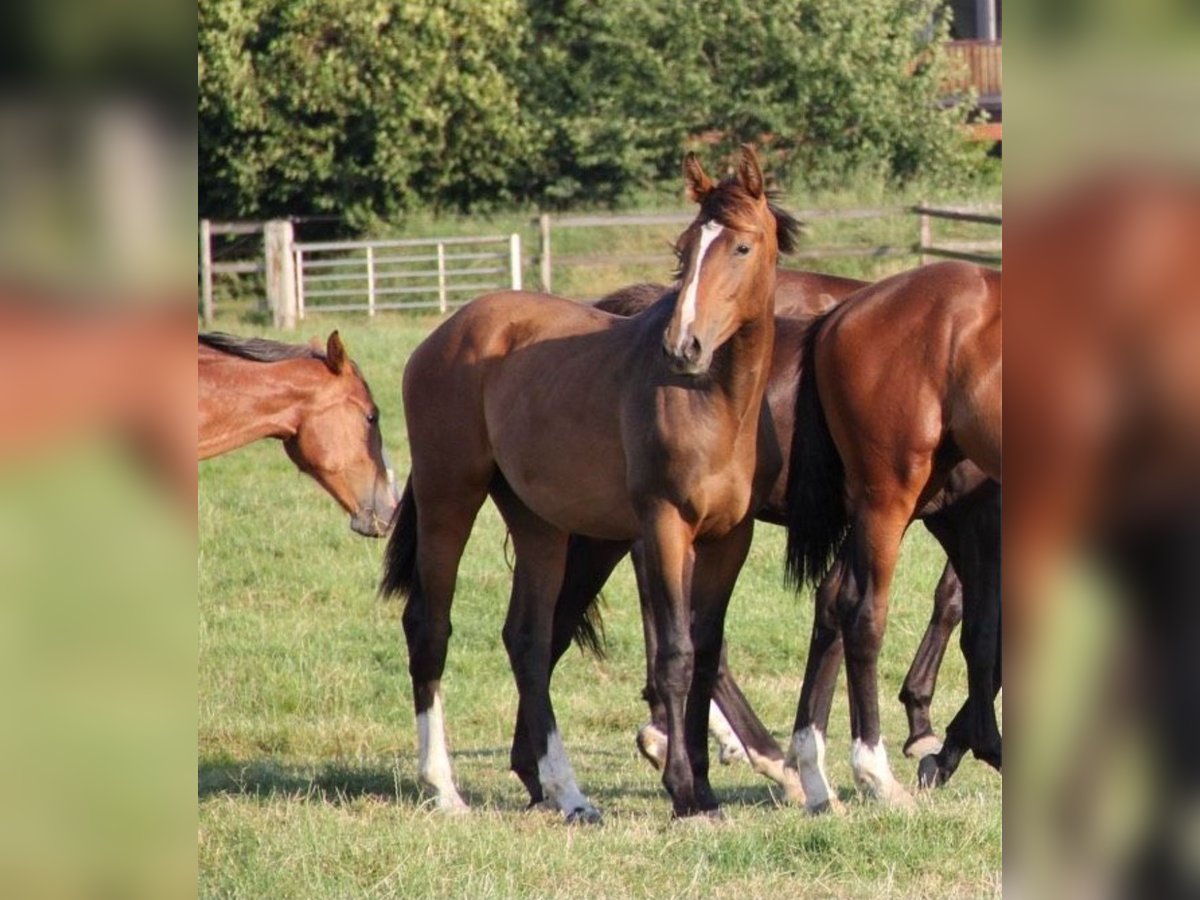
<point x="688" y="360"/>
<point x="368" y="523"/>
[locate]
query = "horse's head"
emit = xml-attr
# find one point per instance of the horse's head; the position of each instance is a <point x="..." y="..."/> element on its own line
<point x="339" y="444"/>
<point x="727" y="261"/>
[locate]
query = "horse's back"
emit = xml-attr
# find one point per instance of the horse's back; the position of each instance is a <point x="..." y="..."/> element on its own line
<point x="531" y="384"/>
<point x="799" y="293"/>
<point x="917" y="357"/>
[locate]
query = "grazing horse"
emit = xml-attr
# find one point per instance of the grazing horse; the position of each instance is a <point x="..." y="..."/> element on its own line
<point x="579" y="422"/>
<point x="950" y="516"/>
<point x="901" y="384"/>
<point x="315" y="401"/>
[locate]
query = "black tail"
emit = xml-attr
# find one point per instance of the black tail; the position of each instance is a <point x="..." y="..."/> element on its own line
<point x="577" y="612"/>
<point x="400" y="559"/>
<point x="817" y="521"/>
<point x="589" y="632"/>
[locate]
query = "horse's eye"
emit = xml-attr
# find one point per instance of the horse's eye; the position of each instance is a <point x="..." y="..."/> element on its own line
<point x="373" y="417"/>
<point x="743" y="249"/>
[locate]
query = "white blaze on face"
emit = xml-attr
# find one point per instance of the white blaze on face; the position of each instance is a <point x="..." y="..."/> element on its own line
<point x="687" y="313"/>
<point x="808" y="754"/>
<point x="558" y="778"/>
<point x="434" y="765"/>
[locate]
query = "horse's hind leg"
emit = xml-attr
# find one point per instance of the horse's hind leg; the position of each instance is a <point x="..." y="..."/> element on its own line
<point x="921" y="680"/>
<point x="444" y="524"/>
<point x="765" y="755"/>
<point x="590" y="562"/>
<point x="874" y="544"/>
<point x="541" y="553"/>
<point x="806" y="753"/>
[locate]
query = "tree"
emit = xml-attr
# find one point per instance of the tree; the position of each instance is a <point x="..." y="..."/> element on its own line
<point x="363" y="110"/>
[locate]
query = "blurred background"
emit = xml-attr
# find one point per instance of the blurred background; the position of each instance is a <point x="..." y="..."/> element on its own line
<point x="100" y="157"/>
<point x="97" y="448"/>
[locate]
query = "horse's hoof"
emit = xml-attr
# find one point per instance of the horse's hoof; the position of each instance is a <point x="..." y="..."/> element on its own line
<point x="583" y="815"/>
<point x="929" y="773"/>
<point x="831" y="806"/>
<point x="453" y="806"/>
<point x="922" y="746"/>
<point x="731" y="753"/>
<point x="652" y="744"/>
<point x="898" y="798"/>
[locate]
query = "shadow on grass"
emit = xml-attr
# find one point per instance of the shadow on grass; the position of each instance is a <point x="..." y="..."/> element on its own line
<point x="329" y="783"/>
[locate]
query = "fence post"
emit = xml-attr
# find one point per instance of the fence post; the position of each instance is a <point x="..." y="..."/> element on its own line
<point x="544" y="250"/>
<point x="281" y="274"/>
<point x="441" y="255"/>
<point x="926" y="235"/>
<point x="299" y="283"/>
<point x="514" y="259"/>
<point x="206" y="280"/>
<point x="370" y="281"/>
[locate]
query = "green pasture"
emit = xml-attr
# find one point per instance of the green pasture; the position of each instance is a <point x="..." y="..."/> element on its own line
<point x="307" y="743"/>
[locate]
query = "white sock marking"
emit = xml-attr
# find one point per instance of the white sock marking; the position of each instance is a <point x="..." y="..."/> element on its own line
<point x="719" y="728"/>
<point x="687" y="315"/>
<point x="808" y="754"/>
<point x="871" y="770"/>
<point x="434" y="765"/>
<point x="558" y="778"/>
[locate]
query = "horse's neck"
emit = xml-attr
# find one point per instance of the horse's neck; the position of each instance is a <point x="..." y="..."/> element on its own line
<point x="250" y="401"/>
<point x="750" y="365"/>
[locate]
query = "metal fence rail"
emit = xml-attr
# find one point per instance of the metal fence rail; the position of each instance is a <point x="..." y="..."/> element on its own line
<point x="430" y="273"/>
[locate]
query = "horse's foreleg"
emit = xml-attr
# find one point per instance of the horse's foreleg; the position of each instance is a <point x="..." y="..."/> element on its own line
<point x="919" y="684"/>
<point x="977" y="554"/>
<point x="717" y="564"/>
<point x="806" y="753"/>
<point x="669" y="561"/>
<point x="873" y="546"/>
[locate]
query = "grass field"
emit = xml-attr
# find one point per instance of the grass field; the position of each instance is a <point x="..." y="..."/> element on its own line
<point x="307" y="741"/>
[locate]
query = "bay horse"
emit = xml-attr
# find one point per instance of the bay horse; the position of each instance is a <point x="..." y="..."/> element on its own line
<point x="579" y="422"/>
<point x="902" y="382"/>
<point x="315" y="400"/>
<point x="950" y="516"/>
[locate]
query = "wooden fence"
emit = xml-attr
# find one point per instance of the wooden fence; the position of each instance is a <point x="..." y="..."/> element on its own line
<point x="440" y="273"/>
<point x="432" y="273"/>
<point x="924" y="246"/>
<point x="210" y="266"/>
<point x="981" y="66"/>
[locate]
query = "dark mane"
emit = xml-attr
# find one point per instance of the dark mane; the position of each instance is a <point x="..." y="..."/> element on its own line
<point x="729" y="204"/>
<point x="629" y="301"/>
<point x="257" y="349"/>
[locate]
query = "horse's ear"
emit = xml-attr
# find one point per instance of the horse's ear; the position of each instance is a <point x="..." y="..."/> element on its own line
<point x="698" y="183"/>
<point x="749" y="174"/>
<point x="335" y="354"/>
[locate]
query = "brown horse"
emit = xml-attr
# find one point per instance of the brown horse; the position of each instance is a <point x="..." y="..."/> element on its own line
<point x="315" y="401"/>
<point x="951" y="516"/>
<point x="902" y="383"/>
<point x="579" y="422"/>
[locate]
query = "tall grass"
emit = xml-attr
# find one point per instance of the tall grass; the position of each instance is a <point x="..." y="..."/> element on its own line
<point x="306" y="745"/>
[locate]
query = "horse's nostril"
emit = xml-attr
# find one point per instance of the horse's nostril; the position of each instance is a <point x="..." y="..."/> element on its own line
<point x="693" y="351"/>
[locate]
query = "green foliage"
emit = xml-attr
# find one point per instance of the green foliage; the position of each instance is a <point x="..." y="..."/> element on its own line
<point x="372" y="110"/>
<point x="364" y="110"/>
